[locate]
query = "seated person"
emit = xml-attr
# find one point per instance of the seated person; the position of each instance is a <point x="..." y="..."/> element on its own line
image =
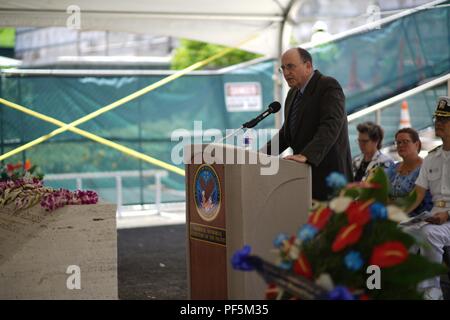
<point x="435" y="176"/>
<point x="402" y="175"/>
<point x="370" y="138"/>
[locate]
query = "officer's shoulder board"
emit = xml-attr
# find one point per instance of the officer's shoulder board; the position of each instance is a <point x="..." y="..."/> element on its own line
<point x="435" y="149"/>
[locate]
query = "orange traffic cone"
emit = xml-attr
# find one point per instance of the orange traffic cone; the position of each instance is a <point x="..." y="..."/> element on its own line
<point x="405" y="120"/>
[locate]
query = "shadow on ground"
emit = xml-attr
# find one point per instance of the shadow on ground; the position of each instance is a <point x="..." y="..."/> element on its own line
<point x="152" y="263"/>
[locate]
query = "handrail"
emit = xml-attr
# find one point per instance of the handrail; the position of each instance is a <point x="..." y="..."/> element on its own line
<point x="118" y="175"/>
<point x="397" y="98"/>
<point x="110" y="174"/>
<point x="125" y="72"/>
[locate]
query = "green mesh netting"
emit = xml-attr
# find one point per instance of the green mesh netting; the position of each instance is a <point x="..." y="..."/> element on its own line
<point x="144" y="124"/>
<point x="381" y="63"/>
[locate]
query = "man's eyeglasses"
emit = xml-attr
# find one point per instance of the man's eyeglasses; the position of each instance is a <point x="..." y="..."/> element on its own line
<point x="288" y="67"/>
<point x="363" y="141"/>
<point x="402" y="142"/>
<point x="441" y="119"/>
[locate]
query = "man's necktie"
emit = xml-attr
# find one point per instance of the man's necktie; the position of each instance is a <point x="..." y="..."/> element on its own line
<point x="293" y="115"/>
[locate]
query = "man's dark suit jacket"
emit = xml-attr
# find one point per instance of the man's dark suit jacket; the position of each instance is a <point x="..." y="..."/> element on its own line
<point x="322" y="132"/>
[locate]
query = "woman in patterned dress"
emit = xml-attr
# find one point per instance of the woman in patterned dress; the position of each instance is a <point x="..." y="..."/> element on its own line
<point x="403" y="175"/>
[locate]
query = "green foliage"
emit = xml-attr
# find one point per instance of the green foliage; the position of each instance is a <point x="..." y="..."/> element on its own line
<point x="407" y="201"/>
<point x="377" y="189"/>
<point x="18" y="171"/>
<point x="191" y="51"/>
<point x="7" y="37"/>
<point x="380" y="191"/>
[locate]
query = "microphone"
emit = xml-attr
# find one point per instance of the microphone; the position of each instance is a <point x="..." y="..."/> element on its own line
<point x="274" y="107"/>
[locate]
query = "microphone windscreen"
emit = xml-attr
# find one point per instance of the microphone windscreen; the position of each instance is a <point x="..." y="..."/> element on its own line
<point x="274" y="107"/>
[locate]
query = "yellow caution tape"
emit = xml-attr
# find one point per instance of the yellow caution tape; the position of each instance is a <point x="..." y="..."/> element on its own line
<point x="118" y="103"/>
<point x="91" y="136"/>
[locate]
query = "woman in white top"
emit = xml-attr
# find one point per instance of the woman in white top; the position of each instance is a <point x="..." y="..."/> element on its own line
<point x="370" y="139"/>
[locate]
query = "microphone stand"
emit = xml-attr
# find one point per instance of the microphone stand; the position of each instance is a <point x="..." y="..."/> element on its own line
<point x="231" y="134"/>
<point x="252" y="123"/>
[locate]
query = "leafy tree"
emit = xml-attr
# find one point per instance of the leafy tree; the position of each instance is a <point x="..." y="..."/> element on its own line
<point x="191" y="51"/>
<point x="7" y="37"/>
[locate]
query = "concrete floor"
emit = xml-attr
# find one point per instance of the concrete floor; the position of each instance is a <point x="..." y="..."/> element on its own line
<point x="152" y="263"/>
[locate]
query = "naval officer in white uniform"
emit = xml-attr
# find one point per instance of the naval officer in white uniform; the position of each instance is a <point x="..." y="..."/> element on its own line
<point x="435" y="176"/>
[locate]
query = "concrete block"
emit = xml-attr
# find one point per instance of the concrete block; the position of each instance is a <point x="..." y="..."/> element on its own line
<point x="40" y="252"/>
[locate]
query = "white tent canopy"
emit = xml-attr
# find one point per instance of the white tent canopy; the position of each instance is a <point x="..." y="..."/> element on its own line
<point x="222" y="22"/>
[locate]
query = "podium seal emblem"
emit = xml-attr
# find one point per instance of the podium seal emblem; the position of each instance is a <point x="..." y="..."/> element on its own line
<point x="207" y="192"/>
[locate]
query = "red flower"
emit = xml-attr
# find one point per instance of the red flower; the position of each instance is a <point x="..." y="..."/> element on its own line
<point x="292" y="240"/>
<point x="272" y="292"/>
<point x="320" y="217"/>
<point x="12" y="167"/>
<point x="348" y="235"/>
<point x="27" y="165"/>
<point x="358" y="212"/>
<point x="389" y="254"/>
<point x="303" y="267"/>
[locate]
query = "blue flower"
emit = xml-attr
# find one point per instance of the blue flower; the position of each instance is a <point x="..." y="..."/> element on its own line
<point x="286" y="265"/>
<point x="340" y="293"/>
<point x="378" y="211"/>
<point x="336" y="180"/>
<point x="306" y="232"/>
<point x="353" y="260"/>
<point x="239" y="261"/>
<point x="278" y="242"/>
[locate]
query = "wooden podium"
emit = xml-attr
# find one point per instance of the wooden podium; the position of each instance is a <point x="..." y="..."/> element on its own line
<point x="230" y="205"/>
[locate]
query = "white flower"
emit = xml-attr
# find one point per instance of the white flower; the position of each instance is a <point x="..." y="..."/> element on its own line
<point x="340" y="204"/>
<point x="396" y="214"/>
<point x="325" y="281"/>
<point x="294" y="252"/>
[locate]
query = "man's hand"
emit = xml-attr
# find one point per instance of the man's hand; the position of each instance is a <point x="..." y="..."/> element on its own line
<point x="438" y="218"/>
<point x="297" y="157"/>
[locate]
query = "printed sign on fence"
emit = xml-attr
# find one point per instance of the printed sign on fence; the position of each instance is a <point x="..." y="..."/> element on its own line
<point x="243" y="96"/>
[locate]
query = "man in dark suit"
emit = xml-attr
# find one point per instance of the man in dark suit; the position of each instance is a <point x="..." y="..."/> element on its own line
<point x="315" y="121"/>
